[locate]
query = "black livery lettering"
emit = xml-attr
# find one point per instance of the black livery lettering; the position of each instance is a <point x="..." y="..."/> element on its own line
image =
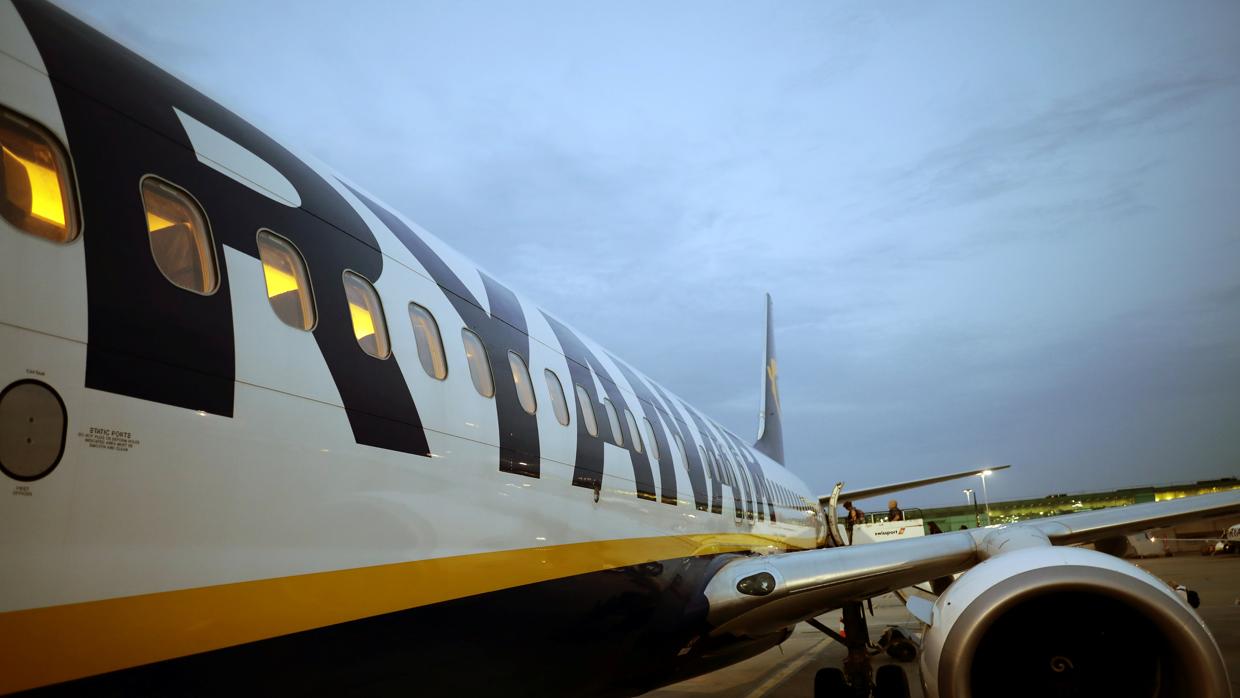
<point x="737" y="475"/>
<point x="667" y="470"/>
<point x="710" y="448"/>
<point x="503" y="330"/>
<point x="765" y="498"/>
<point x="697" y="478"/>
<point x="149" y="339"/>
<point x="588" y="471"/>
<point x="740" y="486"/>
<point x="518" y="447"/>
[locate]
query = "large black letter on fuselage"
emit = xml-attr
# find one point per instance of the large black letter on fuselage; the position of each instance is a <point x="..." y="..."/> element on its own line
<point x="588" y="470"/>
<point x="697" y="477"/>
<point x="502" y="331"/>
<point x="149" y="339"/>
<point x="667" y="473"/>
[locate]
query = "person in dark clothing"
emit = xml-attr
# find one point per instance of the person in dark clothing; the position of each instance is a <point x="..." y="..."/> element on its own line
<point x="894" y="512"/>
<point x="855" y="516"/>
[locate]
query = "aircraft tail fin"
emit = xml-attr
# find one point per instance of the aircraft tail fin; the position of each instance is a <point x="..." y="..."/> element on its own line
<point x="770" y="430"/>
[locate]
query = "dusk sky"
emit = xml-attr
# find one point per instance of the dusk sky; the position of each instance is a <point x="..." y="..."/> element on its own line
<point x="994" y="232"/>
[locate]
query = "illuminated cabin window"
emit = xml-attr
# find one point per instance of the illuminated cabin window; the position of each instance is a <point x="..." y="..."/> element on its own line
<point x="288" y="285"/>
<point x="180" y="239"/>
<point x="369" y="327"/>
<point x="521" y="379"/>
<point x="651" y="442"/>
<point x="430" y="345"/>
<point x="613" y="421"/>
<point x="556" y="391"/>
<point x="680" y="446"/>
<point x="479" y="364"/>
<point x="36" y="181"/>
<point x="587" y="411"/>
<point x="632" y="423"/>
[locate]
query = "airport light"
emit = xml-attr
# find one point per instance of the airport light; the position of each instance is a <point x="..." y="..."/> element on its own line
<point x="986" y="495"/>
<point x="969" y="494"/>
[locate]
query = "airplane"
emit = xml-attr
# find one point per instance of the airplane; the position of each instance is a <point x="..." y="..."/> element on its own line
<point x="263" y="433"/>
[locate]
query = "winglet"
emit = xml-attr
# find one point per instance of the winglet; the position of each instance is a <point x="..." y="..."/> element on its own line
<point x="770" y="431"/>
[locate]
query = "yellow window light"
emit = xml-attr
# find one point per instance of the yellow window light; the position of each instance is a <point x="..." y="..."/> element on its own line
<point x="288" y="286"/>
<point x="179" y="236"/>
<point x="369" y="327"/>
<point x="155" y="222"/>
<point x="34" y="178"/>
<point x="278" y="281"/>
<point x="363" y="323"/>
<point x="46" y="201"/>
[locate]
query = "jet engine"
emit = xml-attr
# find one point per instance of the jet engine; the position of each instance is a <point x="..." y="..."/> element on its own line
<point x="1042" y="621"/>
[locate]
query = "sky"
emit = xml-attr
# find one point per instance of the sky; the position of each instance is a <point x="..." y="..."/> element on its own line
<point x="994" y="232"/>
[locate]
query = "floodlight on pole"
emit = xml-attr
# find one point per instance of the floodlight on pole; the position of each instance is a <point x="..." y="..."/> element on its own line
<point x="970" y="495"/>
<point x="985" y="494"/>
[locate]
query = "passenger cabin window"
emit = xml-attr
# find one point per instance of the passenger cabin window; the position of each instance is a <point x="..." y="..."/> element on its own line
<point x="180" y="240"/>
<point x="680" y="446"/>
<point x="430" y="345"/>
<point x="556" y="391"/>
<point x="35" y="181"/>
<point x="369" y="327"/>
<point x="479" y="364"/>
<point x="613" y="421"/>
<point x="521" y="378"/>
<point x="632" y="423"/>
<point x="288" y="285"/>
<point x="587" y="411"/>
<point x="651" y="442"/>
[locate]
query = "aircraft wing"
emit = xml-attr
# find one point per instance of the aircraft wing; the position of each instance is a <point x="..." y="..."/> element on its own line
<point x="754" y="596"/>
<point x="1088" y="526"/>
<point x="868" y="492"/>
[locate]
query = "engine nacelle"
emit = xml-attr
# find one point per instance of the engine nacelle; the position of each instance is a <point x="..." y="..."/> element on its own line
<point x="1047" y="621"/>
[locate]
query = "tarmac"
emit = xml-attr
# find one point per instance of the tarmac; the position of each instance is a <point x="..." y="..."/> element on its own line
<point x="788" y="671"/>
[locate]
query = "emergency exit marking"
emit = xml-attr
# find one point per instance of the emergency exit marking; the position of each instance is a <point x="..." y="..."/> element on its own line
<point x="108" y="439"/>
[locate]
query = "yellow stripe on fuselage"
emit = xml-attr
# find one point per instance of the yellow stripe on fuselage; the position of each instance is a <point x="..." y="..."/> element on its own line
<point x="59" y="643"/>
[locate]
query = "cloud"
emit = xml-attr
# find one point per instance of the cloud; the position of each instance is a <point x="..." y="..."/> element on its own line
<point x="995" y="160"/>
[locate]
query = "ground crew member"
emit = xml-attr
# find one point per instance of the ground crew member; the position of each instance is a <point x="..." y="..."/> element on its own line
<point x="894" y="512"/>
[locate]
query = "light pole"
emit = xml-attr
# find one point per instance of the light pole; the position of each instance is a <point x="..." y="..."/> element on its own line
<point x="968" y="495"/>
<point x="985" y="495"/>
